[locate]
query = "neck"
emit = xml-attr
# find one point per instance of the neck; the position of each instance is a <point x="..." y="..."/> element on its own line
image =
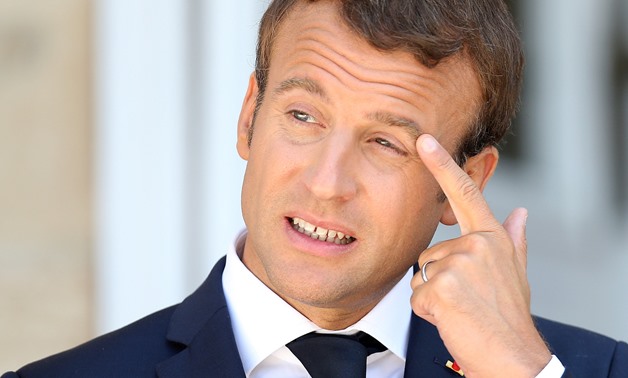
<point x="331" y="310"/>
<point x="332" y="319"/>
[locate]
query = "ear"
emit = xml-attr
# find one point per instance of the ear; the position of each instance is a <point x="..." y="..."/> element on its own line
<point x="245" y="121"/>
<point x="480" y="168"/>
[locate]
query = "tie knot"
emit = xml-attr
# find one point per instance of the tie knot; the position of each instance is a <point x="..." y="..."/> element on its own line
<point x="333" y="355"/>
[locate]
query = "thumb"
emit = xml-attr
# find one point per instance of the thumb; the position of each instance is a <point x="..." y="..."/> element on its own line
<point x="515" y="226"/>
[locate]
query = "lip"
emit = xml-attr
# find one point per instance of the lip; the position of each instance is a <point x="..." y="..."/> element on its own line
<point x="315" y="247"/>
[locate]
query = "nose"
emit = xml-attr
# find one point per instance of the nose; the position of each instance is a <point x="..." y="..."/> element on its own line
<point x="331" y="173"/>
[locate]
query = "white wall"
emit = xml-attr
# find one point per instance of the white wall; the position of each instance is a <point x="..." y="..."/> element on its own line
<point x="228" y="60"/>
<point x="169" y="78"/>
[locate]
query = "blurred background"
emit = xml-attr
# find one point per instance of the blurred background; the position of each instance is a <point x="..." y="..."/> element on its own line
<point x="119" y="179"/>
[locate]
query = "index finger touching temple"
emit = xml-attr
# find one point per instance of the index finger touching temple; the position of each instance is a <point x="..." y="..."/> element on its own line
<point x="462" y="187"/>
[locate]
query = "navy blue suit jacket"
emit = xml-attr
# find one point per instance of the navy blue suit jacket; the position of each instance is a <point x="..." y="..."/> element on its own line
<point x="195" y="339"/>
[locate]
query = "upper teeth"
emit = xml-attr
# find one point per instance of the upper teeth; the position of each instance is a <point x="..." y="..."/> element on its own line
<point x="320" y="233"/>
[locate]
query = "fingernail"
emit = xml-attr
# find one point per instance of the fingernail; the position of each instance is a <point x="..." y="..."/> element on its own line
<point x="428" y="144"/>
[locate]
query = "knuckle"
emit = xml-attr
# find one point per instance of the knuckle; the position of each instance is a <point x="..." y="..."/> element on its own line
<point x="465" y="268"/>
<point x="444" y="283"/>
<point x="476" y="242"/>
<point x="416" y="281"/>
<point x="463" y="261"/>
<point x="421" y="301"/>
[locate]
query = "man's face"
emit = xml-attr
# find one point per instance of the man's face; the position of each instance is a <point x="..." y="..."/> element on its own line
<point x="333" y="150"/>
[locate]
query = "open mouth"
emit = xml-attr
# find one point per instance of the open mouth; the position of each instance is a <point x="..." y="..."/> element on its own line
<point x="320" y="233"/>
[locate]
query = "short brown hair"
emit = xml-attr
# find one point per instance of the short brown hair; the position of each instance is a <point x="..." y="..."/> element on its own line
<point x="432" y="30"/>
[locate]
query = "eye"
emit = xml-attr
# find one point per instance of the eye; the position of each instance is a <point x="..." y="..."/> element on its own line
<point x="303" y="117"/>
<point x="389" y="146"/>
<point x="384" y="142"/>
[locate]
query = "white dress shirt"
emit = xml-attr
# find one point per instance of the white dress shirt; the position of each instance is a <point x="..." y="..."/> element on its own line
<point x="263" y="324"/>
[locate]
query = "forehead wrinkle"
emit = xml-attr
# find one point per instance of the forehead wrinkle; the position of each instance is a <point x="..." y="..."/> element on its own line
<point x="404" y="95"/>
<point x="327" y="42"/>
<point x="401" y="78"/>
<point x="395" y="92"/>
<point x="363" y="76"/>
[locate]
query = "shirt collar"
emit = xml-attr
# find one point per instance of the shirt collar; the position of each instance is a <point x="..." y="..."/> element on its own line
<point x="389" y="320"/>
<point x="263" y="322"/>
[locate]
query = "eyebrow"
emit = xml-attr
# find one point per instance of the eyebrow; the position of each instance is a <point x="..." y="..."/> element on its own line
<point x="391" y="119"/>
<point x="312" y="87"/>
<point x="305" y="84"/>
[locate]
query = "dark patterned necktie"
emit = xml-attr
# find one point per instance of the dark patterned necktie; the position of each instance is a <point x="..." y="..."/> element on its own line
<point x="335" y="356"/>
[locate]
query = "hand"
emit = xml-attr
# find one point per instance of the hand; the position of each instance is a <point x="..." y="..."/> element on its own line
<point x="477" y="294"/>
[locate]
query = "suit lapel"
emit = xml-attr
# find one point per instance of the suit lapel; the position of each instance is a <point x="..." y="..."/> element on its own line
<point x="202" y="324"/>
<point x="427" y="355"/>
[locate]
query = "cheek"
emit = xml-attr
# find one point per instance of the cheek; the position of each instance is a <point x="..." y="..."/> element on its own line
<point x="411" y="208"/>
<point x="269" y="168"/>
<point x="246" y="197"/>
